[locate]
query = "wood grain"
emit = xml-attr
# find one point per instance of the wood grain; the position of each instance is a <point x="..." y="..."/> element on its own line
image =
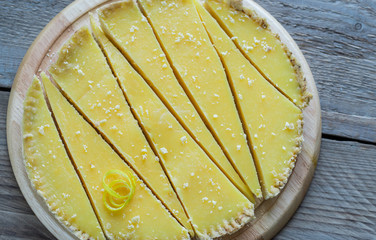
<point x="21" y="22"/>
<point x="271" y="215"/>
<point x="22" y="226"/>
<point x="341" y="202"/>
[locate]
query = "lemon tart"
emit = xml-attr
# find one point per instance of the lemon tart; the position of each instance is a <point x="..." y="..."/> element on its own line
<point x="51" y="171"/>
<point x="172" y="120"/>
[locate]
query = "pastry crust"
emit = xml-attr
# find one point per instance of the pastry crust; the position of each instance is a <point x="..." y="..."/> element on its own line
<point x="231" y="226"/>
<point x="282" y="178"/>
<point x="57" y="214"/>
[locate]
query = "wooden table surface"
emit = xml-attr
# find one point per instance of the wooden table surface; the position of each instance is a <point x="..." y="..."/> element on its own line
<point x="338" y="39"/>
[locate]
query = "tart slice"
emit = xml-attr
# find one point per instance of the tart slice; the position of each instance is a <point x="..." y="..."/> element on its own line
<point x="51" y="171"/>
<point x="199" y="69"/>
<point x="273" y="123"/>
<point x="262" y="48"/>
<point x="85" y="77"/>
<point x="215" y="206"/>
<point x="141" y="216"/>
<point x="125" y="25"/>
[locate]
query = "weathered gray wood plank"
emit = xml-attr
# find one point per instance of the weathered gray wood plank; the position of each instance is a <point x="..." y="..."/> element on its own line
<point x="341" y="202"/>
<point x="22" y="226"/>
<point x="11" y="198"/>
<point x="21" y="22"/>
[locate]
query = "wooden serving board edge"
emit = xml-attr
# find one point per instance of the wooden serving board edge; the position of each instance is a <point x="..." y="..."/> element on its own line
<point x="271" y="215"/>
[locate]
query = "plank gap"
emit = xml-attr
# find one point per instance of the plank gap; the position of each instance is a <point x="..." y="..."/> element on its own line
<point x="5" y="89"/>
<point x="346" y="139"/>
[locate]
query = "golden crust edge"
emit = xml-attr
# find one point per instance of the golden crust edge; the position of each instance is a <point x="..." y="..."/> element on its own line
<point x="60" y="217"/>
<point x="63" y="53"/>
<point x="56" y="213"/>
<point x="101" y="11"/>
<point x="229" y="226"/>
<point x="282" y="178"/>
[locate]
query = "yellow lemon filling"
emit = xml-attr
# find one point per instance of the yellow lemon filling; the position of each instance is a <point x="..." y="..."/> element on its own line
<point x="273" y="123"/>
<point x="129" y="30"/>
<point x="262" y="48"/>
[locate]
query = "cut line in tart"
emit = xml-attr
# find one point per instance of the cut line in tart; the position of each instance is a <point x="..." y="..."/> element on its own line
<point x="199" y="70"/>
<point x="273" y="122"/>
<point x="214" y="205"/>
<point x="129" y="30"/>
<point x="94" y="158"/>
<point x="82" y="73"/>
<point x="51" y="171"/>
<point x="263" y="48"/>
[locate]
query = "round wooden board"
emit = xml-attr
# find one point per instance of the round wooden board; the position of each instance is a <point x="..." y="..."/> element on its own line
<point x="271" y="215"/>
